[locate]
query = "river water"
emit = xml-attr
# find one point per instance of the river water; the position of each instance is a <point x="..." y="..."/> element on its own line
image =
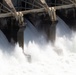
<point x="45" y="58"/>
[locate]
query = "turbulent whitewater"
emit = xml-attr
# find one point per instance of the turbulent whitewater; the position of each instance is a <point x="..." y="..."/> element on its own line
<point x="45" y="58"/>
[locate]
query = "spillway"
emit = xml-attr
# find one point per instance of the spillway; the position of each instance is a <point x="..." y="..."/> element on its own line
<point x="45" y="58"/>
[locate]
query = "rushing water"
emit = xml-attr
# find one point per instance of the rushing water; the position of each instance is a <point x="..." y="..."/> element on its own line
<point x="45" y="58"/>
